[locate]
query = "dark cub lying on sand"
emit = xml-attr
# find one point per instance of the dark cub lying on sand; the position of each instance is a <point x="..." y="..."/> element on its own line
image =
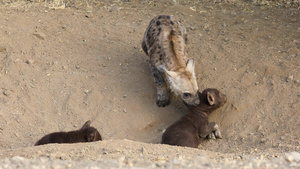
<point x="85" y="134"/>
<point x="194" y="126"/>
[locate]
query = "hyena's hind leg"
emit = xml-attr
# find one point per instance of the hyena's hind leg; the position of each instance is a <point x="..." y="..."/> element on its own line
<point x="162" y="98"/>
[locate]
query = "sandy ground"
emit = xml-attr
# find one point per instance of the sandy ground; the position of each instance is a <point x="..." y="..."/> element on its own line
<point x="62" y="66"/>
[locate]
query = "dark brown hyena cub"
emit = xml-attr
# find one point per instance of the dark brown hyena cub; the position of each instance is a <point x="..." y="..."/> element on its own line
<point x="85" y="134"/>
<point x="194" y="126"/>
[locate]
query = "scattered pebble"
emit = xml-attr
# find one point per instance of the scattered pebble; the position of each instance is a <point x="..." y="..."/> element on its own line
<point x="193" y="8"/>
<point x="29" y="61"/>
<point x="263" y="140"/>
<point x="292" y="156"/>
<point x="2" y="49"/>
<point x="6" y="92"/>
<point x="144" y="151"/>
<point x="259" y="128"/>
<point x="290" y="78"/>
<point x="192" y="28"/>
<point x="40" y="36"/>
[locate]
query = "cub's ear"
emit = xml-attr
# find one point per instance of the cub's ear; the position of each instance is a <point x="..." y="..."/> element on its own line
<point x="190" y="65"/>
<point x="210" y="98"/>
<point x="86" y="124"/>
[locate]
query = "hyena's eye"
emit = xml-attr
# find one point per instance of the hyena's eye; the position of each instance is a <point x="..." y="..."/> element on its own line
<point x="186" y="95"/>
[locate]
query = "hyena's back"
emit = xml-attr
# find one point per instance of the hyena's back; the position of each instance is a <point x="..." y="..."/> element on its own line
<point x="164" y="42"/>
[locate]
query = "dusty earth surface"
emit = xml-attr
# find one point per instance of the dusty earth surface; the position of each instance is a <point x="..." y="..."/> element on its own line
<point x="62" y="64"/>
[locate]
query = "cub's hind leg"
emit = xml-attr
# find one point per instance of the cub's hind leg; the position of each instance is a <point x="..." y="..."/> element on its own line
<point x="162" y="98"/>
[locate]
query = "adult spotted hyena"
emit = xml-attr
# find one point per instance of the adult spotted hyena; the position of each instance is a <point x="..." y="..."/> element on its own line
<point x="165" y="43"/>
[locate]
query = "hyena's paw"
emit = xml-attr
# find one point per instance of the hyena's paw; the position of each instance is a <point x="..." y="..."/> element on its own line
<point x="162" y="100"/>
<point x="217" y="131"/>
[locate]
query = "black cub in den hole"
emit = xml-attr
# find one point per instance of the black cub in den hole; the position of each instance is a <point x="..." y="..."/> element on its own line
<point x="85" y="134"/>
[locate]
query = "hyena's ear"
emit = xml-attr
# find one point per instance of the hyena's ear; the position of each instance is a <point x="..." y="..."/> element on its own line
<point x="210" y="98"/>
<point x="190" y="65"/>
<point x="86" y="124"/>
<point x="172" y="74"/>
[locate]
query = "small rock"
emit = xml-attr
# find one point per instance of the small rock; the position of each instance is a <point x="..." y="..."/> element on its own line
<point x="124" y="96"/>
<point x="256" y="83"/>
<point x="263" y="140"/>
<point x="259" y="128"/>
<point x="40" y="35"/>
<point x="6" y="92"/>
<point x="290" y="78"/>
<point x="113" y="9"/>
<point x="297" y="81"/>
<point x="124" y="110"/>
<point x="144" y="151"/>
<point x="29" y="61"/>
<point x="2" y="49"/>
<point x="77" y="66"/>
<point x="192" y="28"/>
<point x="193" y="8"/>
<point x="292" y="156"/>
<point x="18" y="159"/>
<point x="206" y="26"/>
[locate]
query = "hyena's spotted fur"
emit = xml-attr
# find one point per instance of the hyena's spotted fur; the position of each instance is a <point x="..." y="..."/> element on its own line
<point x="165" y="43"/>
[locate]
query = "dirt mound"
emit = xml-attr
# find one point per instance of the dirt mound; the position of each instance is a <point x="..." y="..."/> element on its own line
<point x="62" y="67"/>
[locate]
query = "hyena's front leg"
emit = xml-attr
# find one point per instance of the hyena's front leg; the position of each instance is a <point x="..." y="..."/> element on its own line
<point x="162" y="98"/>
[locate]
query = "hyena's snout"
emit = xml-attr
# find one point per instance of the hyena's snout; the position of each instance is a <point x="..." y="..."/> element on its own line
<point x="196" y="101"/>
<point x="190" y="99"/>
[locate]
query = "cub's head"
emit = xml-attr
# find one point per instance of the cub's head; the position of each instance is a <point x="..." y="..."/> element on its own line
<point x="90" y="133"/>
<point x="214" y="98"/>
<point x="210" y="99"/>
<point x="183" y="83"/>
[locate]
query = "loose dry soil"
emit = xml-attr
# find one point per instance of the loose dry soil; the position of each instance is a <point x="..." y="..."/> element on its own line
<point x="62" y="64"/>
